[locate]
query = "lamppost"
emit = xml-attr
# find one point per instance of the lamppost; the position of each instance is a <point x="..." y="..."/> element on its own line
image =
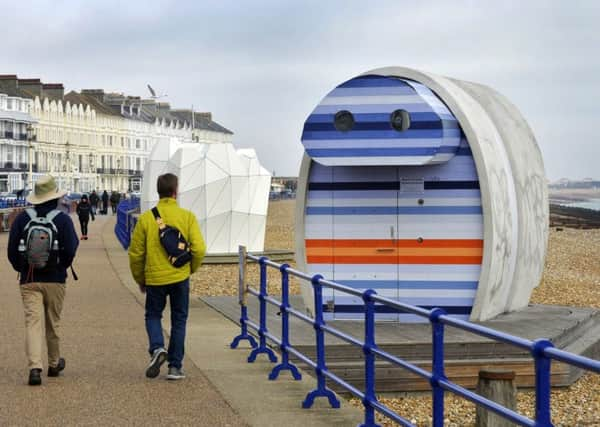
<point x="92" y="174"/>
<point x="68" y="165"/>
<point x="118" y="172"/>
<point x="31" y="136"/>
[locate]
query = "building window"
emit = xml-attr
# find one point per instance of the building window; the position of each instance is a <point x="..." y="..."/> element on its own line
<point x="137" y="144"/>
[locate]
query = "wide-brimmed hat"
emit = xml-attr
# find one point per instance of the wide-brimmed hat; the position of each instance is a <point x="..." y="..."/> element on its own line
<point x="45" y="189"/>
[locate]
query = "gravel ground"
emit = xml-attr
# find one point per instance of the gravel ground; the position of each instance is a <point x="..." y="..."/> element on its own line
<point x="571" y="277"/>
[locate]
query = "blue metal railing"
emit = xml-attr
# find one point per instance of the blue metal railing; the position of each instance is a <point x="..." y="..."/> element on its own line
<point x="542" y="351"/>
<point x="125" y="220"/>
<point x="6" y="203"/>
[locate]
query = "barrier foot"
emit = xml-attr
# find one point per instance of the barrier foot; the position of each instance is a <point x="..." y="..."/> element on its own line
<point x="330" y="395"/>
<point x="285" y="366"/>
<point x="369" y="425"/>
<point x="249" y="338"/>
<point x="264" y="350"/>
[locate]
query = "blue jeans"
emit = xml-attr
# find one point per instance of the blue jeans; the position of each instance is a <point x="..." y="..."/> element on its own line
<point x="156" y="299"/>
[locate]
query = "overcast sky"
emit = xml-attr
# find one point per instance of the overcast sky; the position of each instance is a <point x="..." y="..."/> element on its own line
<point x="261" y="66"/>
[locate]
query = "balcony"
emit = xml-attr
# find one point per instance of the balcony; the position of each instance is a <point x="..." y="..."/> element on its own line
<point x="16" y="167"/>
<point x="114" y="171"/>
<point x="8" y="134"/>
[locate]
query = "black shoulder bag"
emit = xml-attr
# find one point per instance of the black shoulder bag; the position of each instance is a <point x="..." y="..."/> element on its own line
<point x="177" y="248"/>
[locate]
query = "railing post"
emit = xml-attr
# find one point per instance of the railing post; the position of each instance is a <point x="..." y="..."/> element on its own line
<point x="370" y="345"/>
<point x="262" y="338"/>
<point x="542" y="382"/>
<point x="321" y="390"/>
<point x="242" y="292"/>
<point x="285" y="329"/>
<point x="437" y="331"/>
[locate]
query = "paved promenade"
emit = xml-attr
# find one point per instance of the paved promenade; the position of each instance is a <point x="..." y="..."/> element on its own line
<point x="104" y="343"/>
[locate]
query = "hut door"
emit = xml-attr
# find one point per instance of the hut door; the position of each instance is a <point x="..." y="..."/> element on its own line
<point x="365" y="233"/>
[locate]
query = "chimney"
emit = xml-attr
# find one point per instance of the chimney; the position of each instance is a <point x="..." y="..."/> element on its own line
<point x="163" y="106"/>
<point x="53" y="90"/>
<point x="32" y="86"/>
<point x="203" y="116"/>
<point x="98" y="94"/>
<point x="8" y="84"/>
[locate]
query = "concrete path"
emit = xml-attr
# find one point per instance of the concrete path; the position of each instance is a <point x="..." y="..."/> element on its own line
<point x="104" y="343"/>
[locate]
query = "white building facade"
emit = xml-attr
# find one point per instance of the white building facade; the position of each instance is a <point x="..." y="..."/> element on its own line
<point x="89" y="139"/>
<point x="14" y="120"/>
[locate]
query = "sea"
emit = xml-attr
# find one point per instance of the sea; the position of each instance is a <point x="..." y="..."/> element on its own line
<point x="588" y="204"/>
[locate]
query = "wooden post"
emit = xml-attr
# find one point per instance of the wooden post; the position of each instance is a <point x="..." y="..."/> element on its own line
<point x="242" y="275"/>
<point x="497" y="385"/>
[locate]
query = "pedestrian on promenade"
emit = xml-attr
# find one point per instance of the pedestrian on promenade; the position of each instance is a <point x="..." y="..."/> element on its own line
<point x="155" y="266"/>
<point x="41" y="246"/>
<point x="84" y="211"/>
<point x="114" y="201"/>
<point x="104" y="203"/>
<point x="94" y="199"/>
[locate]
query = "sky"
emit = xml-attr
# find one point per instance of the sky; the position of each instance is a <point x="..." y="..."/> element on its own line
<point x="261" y="66"/>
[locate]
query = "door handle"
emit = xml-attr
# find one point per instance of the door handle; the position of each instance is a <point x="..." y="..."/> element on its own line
<point x="392" y="232"/>
<point x="385" y="249"/>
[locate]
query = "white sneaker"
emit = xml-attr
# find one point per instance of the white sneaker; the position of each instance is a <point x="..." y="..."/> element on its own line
<point x="175" y="374"/>
<point x="158" y="358"/>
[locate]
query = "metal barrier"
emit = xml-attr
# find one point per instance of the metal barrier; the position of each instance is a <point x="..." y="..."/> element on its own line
<point x="542" y="351"/>
<point x="125" y="220"/>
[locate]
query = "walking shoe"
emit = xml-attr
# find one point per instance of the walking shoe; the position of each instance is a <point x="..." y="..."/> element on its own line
<point x="175" y="373"/>
<point x="55" y="371"/>
<point x="85" y="237"/>
<point x="82" y="238"/>
<point x="158" y="358"/>
<point x="35" y="377"/>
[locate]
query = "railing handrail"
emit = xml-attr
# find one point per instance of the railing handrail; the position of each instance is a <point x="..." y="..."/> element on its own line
<point x="541" y="350"/>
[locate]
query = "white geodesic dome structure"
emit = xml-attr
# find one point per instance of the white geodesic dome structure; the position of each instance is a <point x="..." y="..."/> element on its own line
<point x="227" y="189"/>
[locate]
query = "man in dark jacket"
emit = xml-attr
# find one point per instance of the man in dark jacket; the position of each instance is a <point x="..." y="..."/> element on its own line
<point x="84" y="210"/>
<point x="43" y="290"/>
<point x="104" y="203"/>
<point x="94" y="199"/>
<point x="114" y="201"/>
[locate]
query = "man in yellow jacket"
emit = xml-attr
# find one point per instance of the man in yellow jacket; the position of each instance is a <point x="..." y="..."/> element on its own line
<point x="158" y="278"/>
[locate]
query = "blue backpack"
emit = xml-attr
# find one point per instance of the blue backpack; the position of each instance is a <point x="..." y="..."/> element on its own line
<point x="177" y="248"/>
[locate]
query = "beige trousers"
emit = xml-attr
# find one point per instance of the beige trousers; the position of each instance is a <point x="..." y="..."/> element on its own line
<point x="42" y="301"/>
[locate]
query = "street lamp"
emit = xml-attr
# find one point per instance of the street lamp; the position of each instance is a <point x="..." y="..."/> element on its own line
<point x="68" y="165"/>
<point x="31" y="136"/>
<point x="91" y="168"/>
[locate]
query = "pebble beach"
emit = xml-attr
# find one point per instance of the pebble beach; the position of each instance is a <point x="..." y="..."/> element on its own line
<point x="571" y="277"/>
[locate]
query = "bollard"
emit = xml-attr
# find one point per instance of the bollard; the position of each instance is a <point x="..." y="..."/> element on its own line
<point x="497" y="385"/>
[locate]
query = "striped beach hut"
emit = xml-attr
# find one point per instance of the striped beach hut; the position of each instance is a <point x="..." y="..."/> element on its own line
<point x="427" y="189"/>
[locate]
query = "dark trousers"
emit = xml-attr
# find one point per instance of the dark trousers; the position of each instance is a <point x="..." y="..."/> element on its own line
<point x="156" y="299"/>
<point x="84" y="225"/>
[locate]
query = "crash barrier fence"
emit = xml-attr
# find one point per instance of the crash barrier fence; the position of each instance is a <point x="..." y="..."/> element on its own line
<point x="6" y="203"/>
<point x="126" y="220"/>
<point x="542" y="350"/>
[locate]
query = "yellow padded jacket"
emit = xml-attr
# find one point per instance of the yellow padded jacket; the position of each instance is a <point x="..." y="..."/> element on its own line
<point x="148" y="259"/>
